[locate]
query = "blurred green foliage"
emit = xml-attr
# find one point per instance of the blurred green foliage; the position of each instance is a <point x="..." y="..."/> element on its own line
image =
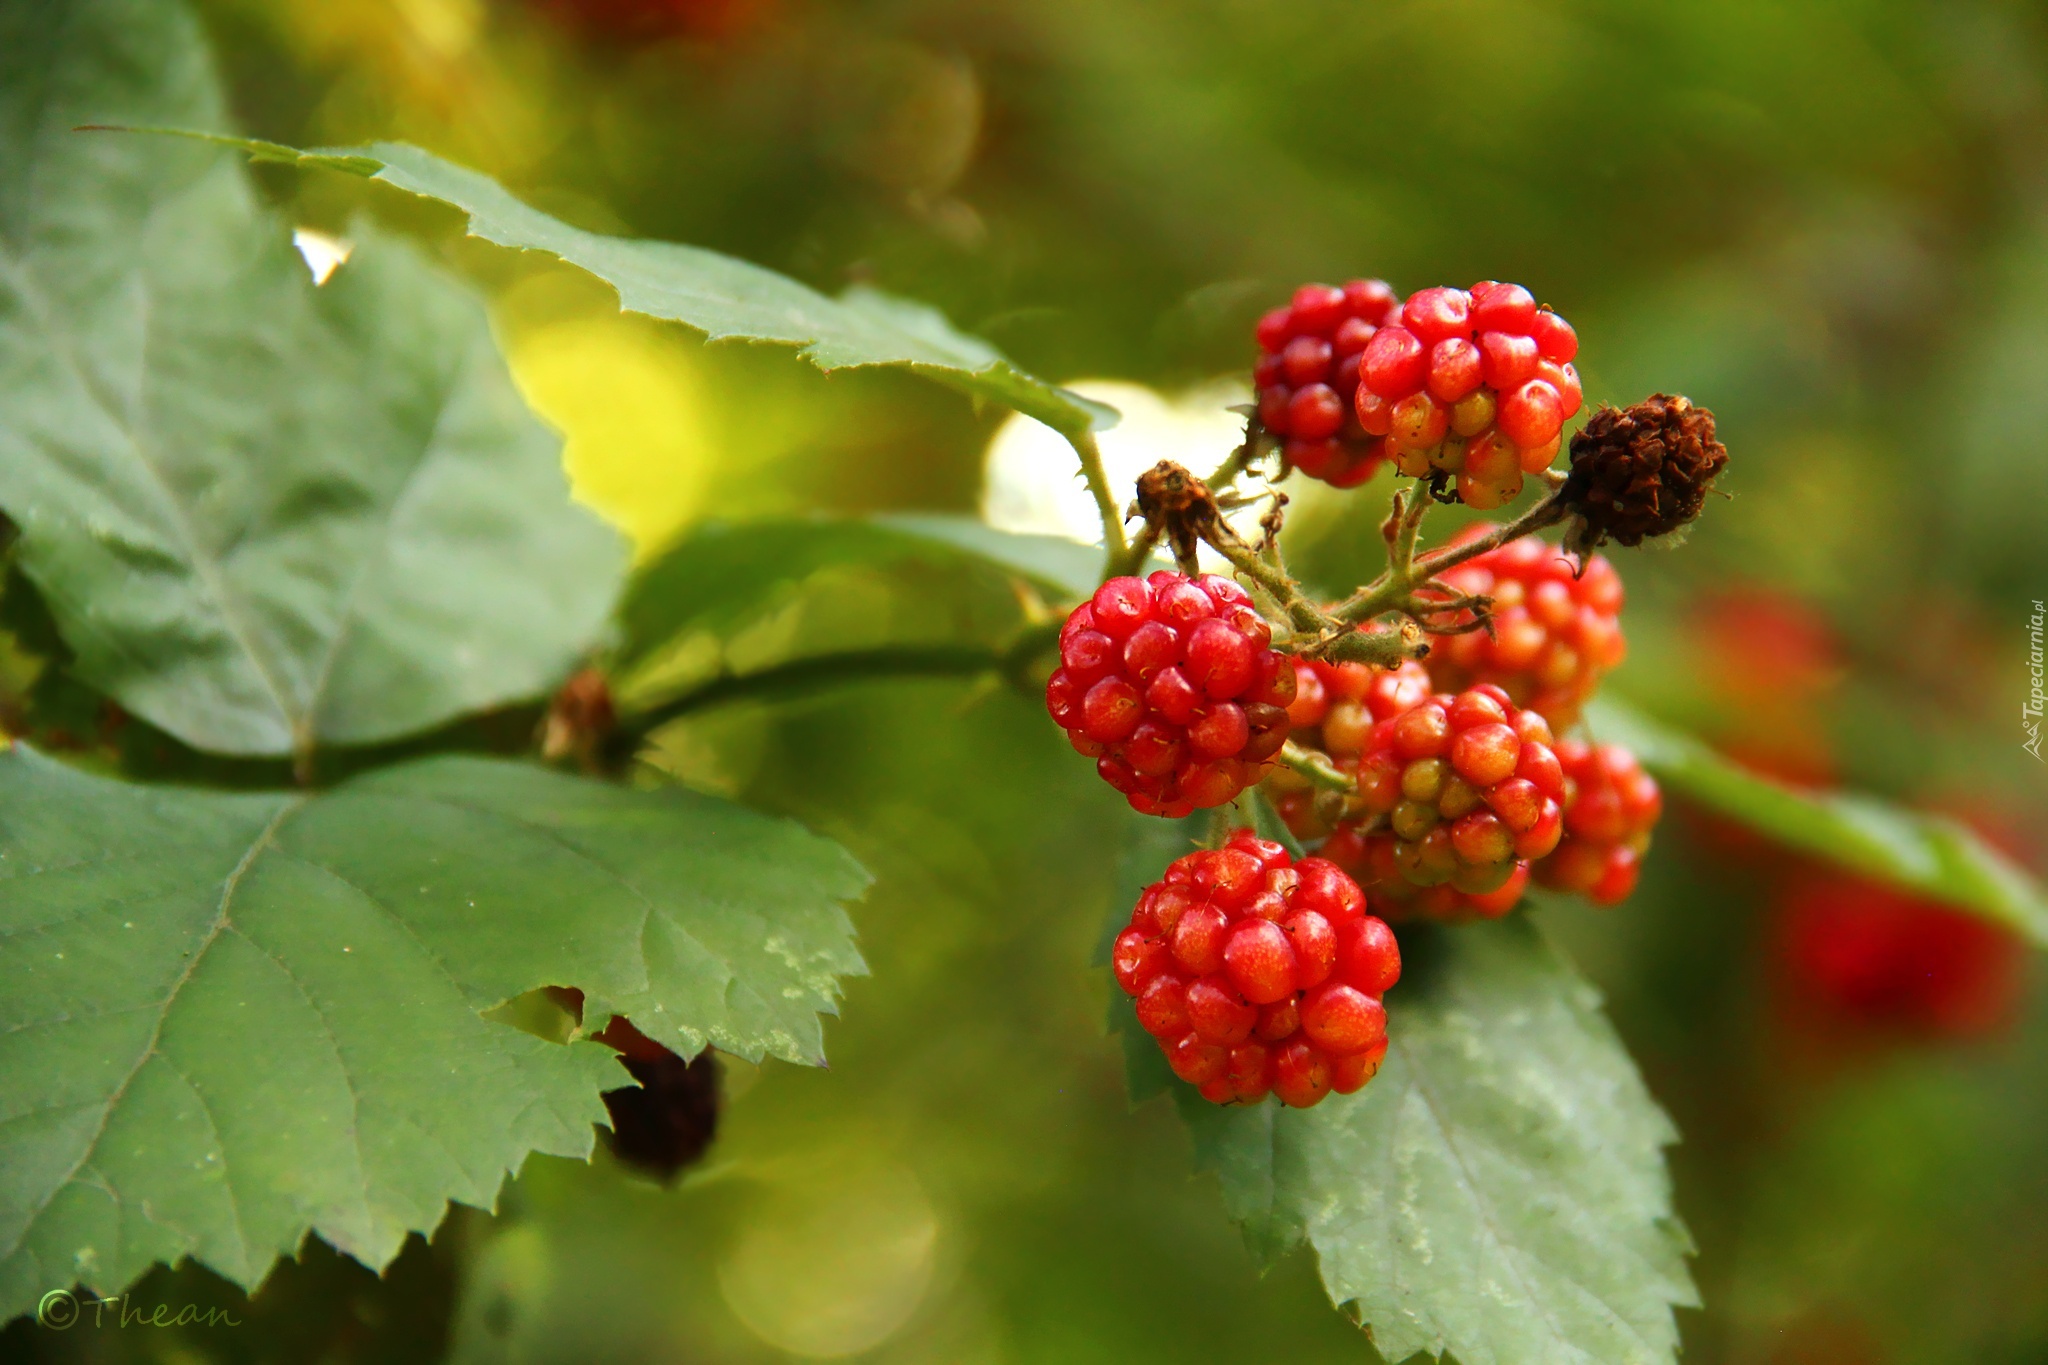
<point x="1826" y="222"/>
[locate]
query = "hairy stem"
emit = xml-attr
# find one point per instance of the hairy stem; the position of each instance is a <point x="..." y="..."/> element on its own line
<point x="1395" y="589"/>
<point x="1134" y="559"/>
<point x="1113" y="543"/>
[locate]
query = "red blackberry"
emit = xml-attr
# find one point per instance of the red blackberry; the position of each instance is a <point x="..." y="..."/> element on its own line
<point x="1469" y="786"/>
<point x="1170" y="684"/>
<point x="1611" y="806"/>
<point x="1878" y="955"/>
<point x="1373" y="860"/>
<point x="1257" y="974"/>
<point x="1307" y="376"/>
<point x="1478" y="383"/>
<point x="1554" y="634"/>
<point x="1334" y="709"/>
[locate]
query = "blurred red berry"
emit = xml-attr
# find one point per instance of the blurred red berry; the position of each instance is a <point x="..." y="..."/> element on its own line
<point x="1307" y="379"/>
<point x="1611" y="806"/>
<point x="1876" y="955"/>
<point x="638" y="21"/>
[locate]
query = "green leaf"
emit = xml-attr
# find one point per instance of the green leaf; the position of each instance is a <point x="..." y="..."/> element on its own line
<point x="1497" y="1192"/>
<point x="723" y="574"/>
<point x="719" y="295"/>
<point x="265" y="515"/>
<point x="234" y="1018"/>
<point x="1067" y="567"/>
<point x="1932" y="854"/>
<point x="774" y="609"/>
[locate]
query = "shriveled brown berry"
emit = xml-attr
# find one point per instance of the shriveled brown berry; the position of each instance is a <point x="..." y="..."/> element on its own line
<point x="1641" y="471"/>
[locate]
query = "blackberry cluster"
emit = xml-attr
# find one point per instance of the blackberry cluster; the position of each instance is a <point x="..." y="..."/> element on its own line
<point x="1260" y="974"/>
<point x="1171" y="685"/>
<point x="1469" y="786"/>
<point x="1475" y="384"/>
<point x="1307" y="374"/>
<point x="1436" y="789"/>
<point x="1335" y="707"/>
<point x="1556" y="626"/>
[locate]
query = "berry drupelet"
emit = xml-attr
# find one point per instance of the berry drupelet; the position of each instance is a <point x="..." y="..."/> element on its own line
<point x="1260" y="974"/>
<point x="1474" y="383"/>
<point x="1171" y="685"/>
<point x="1307" y="375"/>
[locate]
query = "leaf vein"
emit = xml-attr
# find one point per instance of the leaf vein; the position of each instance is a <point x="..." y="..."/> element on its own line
<point x="198" y="953"/>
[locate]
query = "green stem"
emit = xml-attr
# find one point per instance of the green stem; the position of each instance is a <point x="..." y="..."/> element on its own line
<point x="1395" y="589"/>
<point x="810" y="675"/>
<point x="1113" y="543"/>
<point x="1306" y="616"/>
<point x="1227" y="472"/>
<point x="1315" y="767"/>
<point x="1134" y="559"/>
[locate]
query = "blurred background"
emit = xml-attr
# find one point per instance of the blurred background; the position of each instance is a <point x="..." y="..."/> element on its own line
<point x="1828" y="222"/>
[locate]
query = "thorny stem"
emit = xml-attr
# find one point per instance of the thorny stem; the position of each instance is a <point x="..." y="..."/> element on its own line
<point x="1113" y="542"/>
<point x="1395" y="590"/>
<point x="1257" y="442"/>
<point x="1327" y="636"/>
<point x="1333" y="633"/>
<point x="1136" y="556"/>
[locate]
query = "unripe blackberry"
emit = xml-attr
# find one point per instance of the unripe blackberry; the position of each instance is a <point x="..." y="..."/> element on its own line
<point x="1610" y="808"/>
<point x="1372" y="859"/>
<point x="1554" y="634"/>
<point x="1170" y="684"/>
<point x="1640" y="471"/>
<point x="1336" y="705"/>
<point x="1257" y="973"/>
<point x="1334" y="710"/>
<point x="1307" y="376"/>
<point x="1469" y="786"/>
<point x="1474" y="383"/>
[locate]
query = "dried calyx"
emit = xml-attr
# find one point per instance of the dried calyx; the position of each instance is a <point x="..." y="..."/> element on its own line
<point x="1180" y="507"/>
<point x="1640" y="471"/>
